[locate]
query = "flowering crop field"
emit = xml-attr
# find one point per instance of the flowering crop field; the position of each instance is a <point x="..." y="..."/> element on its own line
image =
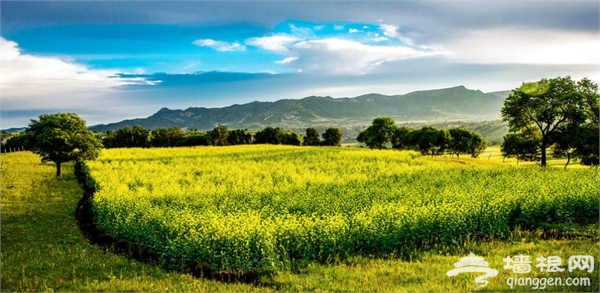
<point x="258" y="208"/>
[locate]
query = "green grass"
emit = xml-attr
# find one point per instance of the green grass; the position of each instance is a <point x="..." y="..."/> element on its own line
<point x="43" y="250"/>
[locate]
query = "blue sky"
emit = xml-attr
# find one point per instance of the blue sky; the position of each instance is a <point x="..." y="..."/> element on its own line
<point x="115" y="60"/>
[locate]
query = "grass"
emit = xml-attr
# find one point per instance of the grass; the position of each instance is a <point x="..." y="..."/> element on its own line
<point x="43" y="250"/>
<point x="493" y="154"/>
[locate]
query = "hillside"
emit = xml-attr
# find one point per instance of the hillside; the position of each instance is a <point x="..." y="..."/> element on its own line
<point x="450" y="104"/>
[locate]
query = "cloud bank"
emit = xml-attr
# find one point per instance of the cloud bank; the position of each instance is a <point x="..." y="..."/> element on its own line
<point x="30" y="82"/>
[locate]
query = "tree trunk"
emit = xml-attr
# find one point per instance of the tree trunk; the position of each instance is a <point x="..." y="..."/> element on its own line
<point x="58" y="169"/>
<point x="543" y="163"/>
<point x="568" y="160"/>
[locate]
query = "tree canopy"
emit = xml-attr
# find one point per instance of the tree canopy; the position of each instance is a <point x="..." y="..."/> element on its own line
<point x="378" y="134"/>
<point x="465" y="141"/>
<point x="430" y="140"/>
<point x="60" y="138"/>
<point x="219" y="135"/>
<point x="332" y="137"/>
<point x="551" y="106"/>
<point x="312" y="137"/>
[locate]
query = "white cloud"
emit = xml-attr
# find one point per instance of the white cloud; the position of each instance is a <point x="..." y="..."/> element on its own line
<point x="287" y="60"/>
<point x="338" y="27"/>
<point x="525" y="46"/>
<point x="389" y="30"/>
<point x="335" y="55"/>
<point x="353" y="31"/>
<point x="276" y="43"/>
<point x="34" y="82"/>
<point x="392" y="32"/>
<point x="219" y="45"/>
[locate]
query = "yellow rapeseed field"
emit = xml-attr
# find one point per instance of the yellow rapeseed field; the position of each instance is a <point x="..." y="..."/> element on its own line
<point x="258" y="208"/>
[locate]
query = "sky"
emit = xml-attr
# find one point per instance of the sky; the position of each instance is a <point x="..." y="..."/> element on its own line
<point x="113" y="60"/>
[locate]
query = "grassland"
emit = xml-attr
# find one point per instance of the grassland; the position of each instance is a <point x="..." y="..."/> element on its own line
<point x="43" y="250"/>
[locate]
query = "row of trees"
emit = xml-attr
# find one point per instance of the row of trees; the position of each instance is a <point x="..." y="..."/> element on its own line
<point x="12" y="142"/>
<point x="138" y="136"/>
<point x="559" y="114"/>
<point x="221" y="136"/>
<point x="428" y="140"/>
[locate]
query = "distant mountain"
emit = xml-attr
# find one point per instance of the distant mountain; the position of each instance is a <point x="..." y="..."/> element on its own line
<point x="456" y="103"/>
<point x="14" y="129"/>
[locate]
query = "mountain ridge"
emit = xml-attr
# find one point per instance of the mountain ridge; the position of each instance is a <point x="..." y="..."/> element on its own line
<point x="435" y="105"/>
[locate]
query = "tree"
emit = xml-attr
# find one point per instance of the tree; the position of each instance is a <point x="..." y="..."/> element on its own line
<point x="123" y="138"/>
<point x="160" y="138"/>
<point x="109" y="139"/>
<point x="14" y="142"/>
<point x="379" y="133"/>
<point x="400" y="139"/>
<point x="193" y="137"/>
<point x="219" y="135"/>
<point x="465" y="141"/>
<point x="268" y="135"/>
<point x="332" y="137"/>
<point x="290" y="138"/>
<point x="176" y="136"/>
<point x="477" y="145"/>
<point x="576" y="141"/>
<point x="140" y="136"/>
<point x="580" y="140"/>
<point x="312" y="137"/>
<point x="60" y="138"/>
<point x="429" y="140"/>
<point x="521" y="146"/>
<point x="239" y="136"/>
<point x="547" y="105"/>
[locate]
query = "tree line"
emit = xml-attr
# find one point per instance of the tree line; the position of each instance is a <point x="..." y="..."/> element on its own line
<point x="220" y="135"/>
<point x="383" y="132"/>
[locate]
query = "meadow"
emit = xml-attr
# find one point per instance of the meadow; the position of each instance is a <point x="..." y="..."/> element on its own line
<point x="43" y="250"/>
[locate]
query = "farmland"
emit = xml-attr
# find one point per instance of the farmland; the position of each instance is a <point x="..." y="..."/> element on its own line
<point x="43" y="250"/>
<point x="258" y="209"/>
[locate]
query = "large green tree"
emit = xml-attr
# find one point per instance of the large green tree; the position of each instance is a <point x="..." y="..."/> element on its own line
<point x="268" y="135"/>
<point x="290" y="138"/>
<point x="521" y="146"/>
<point x="312" y="137"/>
<point x="60" y="138"/>
<point x="465" y="141"/>
<point x="549" y="105"/>
<point x="378" y="134"/>
<point x="429" y="140"/>
<point x="332" y="137"/>
<point x="400" y="138"/>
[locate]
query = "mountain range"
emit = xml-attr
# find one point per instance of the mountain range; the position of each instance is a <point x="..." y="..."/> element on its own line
<point x="449" y="104"/>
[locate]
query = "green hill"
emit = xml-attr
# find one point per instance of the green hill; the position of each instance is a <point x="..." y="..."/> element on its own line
<point x="450" y="104"/>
